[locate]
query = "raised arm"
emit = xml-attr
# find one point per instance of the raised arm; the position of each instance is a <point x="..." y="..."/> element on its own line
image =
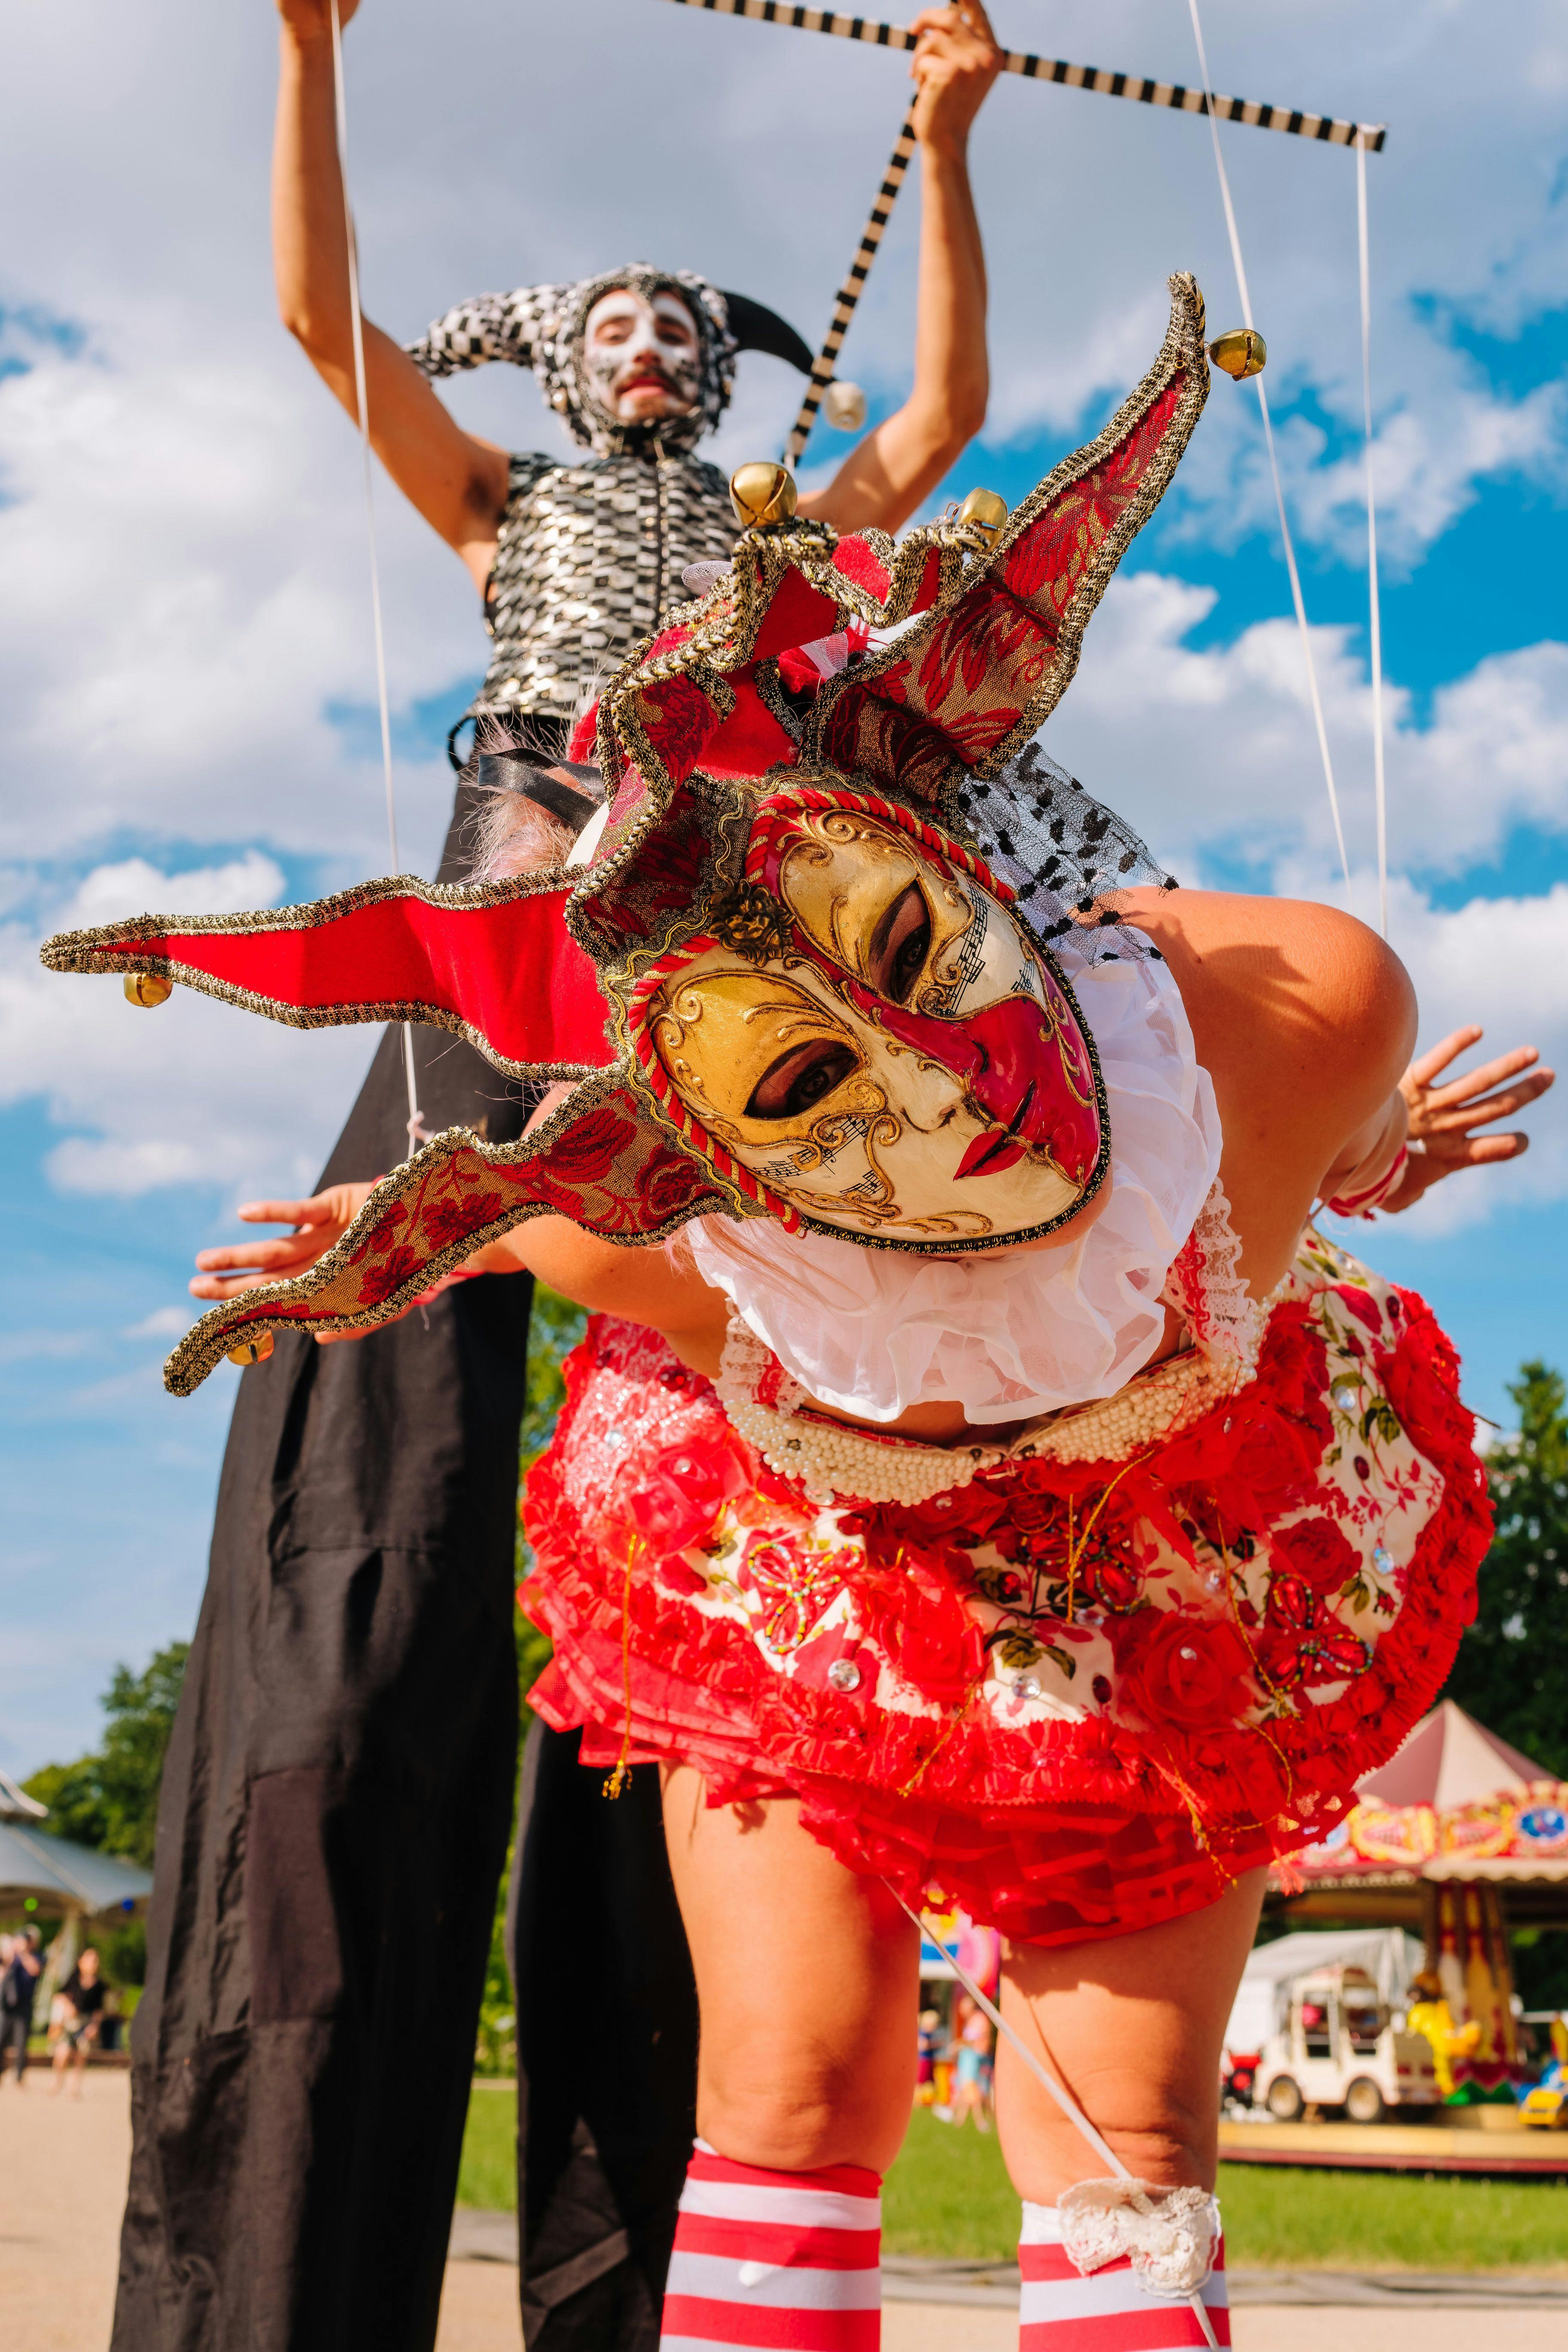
<point x="886" y="475"/>
<point x="456" y="481"/>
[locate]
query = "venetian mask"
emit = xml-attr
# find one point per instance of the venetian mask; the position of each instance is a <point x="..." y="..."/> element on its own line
<point x="641" y="359"/>
<point x="870" y="1032"/>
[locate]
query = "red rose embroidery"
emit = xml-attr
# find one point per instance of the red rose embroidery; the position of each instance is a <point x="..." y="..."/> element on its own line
<point x="927" y="1636"/>
<point x="586" y="1151"/>
<point x="1319" y="1553"/>
<point x="1177" y="1666"/>
<point x="1420" y="1379"/>
<point x="667" y="1181"/>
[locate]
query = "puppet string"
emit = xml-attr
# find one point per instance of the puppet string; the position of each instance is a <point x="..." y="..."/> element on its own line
<point x="1296" y="596"/>
<point x="416" y="1130"/>
<point x="1063" y="2097"/>
<point x="1375" y="616"/>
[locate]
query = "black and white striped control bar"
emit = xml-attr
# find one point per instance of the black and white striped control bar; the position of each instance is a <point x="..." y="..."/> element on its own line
<point x="850" y="293"/>
<point x="1173" y="94"/>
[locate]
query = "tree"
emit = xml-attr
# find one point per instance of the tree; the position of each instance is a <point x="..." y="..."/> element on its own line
<point x="109" y="1800"/>
<point x="1512" y="1672"/>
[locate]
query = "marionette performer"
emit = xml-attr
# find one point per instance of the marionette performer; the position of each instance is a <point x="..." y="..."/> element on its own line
<point x="578" y="559"/>
<point x="998" y="1490"/>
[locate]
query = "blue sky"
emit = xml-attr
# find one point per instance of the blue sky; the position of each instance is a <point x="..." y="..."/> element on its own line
<point x="185" y="681"/>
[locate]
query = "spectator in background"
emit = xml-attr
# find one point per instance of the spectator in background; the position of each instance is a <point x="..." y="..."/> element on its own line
<point x="18" y="1984"/>
<point x="927" y="2044"/>
<point x="82" y="1994"/>
<point x="969" y="2073"/>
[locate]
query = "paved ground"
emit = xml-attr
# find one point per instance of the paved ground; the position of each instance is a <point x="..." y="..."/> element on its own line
<point x="62" y="2180"/>
<point x="62" y="2173"/>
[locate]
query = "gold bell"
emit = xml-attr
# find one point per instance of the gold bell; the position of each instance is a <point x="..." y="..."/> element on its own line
<point x="254" y="1351"/>
<point x="985" y="508"/>
<point x="145" y="988"/>
<point x="1239" y="352"/>
<point x="762" y="493"/>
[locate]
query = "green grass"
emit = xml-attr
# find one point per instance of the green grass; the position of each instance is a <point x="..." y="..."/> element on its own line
<point x="949" y="2195"/>
<point x="488" y="2173"/>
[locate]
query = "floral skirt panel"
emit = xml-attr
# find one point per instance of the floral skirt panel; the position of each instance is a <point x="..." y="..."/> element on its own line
<point x="1077" y="1696"/>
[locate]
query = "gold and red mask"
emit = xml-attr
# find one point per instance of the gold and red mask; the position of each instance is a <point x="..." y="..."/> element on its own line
<point x="784" y="983"/>
<point x="889" y="1056"/>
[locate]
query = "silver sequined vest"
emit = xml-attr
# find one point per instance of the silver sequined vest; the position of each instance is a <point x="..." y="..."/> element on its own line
<point x="588" y="561"/>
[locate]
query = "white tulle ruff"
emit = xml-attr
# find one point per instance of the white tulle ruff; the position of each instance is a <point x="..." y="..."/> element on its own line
<point x="872" y="1332"/>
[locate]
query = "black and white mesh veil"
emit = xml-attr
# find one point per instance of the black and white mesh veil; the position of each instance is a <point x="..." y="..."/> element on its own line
<point x="1069" y="858"/>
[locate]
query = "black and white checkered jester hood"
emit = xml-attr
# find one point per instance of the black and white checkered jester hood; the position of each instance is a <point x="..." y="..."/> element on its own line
<point x="541" y="328"/>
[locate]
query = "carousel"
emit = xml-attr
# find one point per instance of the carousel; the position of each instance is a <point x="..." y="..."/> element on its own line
<point x="1463" y="1840"/>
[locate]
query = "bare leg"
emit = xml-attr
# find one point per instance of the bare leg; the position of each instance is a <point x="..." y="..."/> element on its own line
<point x="807" y="1979"/>
<point x="1132" y="2026"/>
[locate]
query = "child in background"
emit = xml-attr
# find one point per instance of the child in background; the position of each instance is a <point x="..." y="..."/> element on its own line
<point x="969" y="2081"/>
<point x="928" y="2042"/>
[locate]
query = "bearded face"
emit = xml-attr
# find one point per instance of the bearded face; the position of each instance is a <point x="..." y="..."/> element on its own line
<point x="642" y="358"/>
<point x="898" y="1063"/>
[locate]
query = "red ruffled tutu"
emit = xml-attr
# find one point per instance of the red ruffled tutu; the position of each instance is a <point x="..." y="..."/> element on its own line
<point x="1075" y="1696"/>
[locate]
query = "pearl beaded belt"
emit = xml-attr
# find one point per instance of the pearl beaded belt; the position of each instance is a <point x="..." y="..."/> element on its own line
<point x="833" y="1461"/>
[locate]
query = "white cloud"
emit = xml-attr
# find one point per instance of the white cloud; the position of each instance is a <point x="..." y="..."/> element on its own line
<point x="181" y="598"/>
<point x="190" y="1093"/>
<point x="136" y="886"/>
<point x="1212" y="751"/>
<point x="163" y="1323"/>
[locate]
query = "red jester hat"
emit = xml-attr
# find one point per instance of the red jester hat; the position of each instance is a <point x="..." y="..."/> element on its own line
<point x="783" y="984"/>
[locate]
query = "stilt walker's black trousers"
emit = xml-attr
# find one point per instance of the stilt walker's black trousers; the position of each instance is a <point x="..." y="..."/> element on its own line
<point x="333" y="1826"/>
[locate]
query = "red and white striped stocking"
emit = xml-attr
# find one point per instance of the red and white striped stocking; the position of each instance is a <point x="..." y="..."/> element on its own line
<point x="762" y="2259"/>
<point x="1110" y="2310"/>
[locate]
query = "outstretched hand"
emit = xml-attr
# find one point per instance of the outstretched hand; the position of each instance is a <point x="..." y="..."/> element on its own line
<point x="1442" y="1119"/>
<point x="318" y="1223"/>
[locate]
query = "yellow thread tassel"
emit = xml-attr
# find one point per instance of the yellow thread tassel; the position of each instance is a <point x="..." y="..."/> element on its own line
<point x="617" y="1779"/>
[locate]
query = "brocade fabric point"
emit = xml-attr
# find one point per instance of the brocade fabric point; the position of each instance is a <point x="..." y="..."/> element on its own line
<point x="1077" y="1696"/>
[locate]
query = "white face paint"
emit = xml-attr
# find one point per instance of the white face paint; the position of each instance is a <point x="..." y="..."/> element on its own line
<point x="642" y="358"/>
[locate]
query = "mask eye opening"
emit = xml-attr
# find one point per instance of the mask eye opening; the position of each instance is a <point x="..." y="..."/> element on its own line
<point x="802" y="1077"/>
<point x="900" y="947"/>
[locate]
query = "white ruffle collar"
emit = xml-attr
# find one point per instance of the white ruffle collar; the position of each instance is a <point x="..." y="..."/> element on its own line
<point x="872" y="1332"/>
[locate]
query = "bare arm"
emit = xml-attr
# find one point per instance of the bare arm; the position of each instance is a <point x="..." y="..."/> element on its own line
<point x="886" y="475"/>
<point x="457" y="482"/>
<point x="1305" y="1021"/>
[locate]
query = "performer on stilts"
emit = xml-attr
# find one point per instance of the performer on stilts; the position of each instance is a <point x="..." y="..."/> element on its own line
<point x="995" y="1487"/>
<point x="339" y="1786"/>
